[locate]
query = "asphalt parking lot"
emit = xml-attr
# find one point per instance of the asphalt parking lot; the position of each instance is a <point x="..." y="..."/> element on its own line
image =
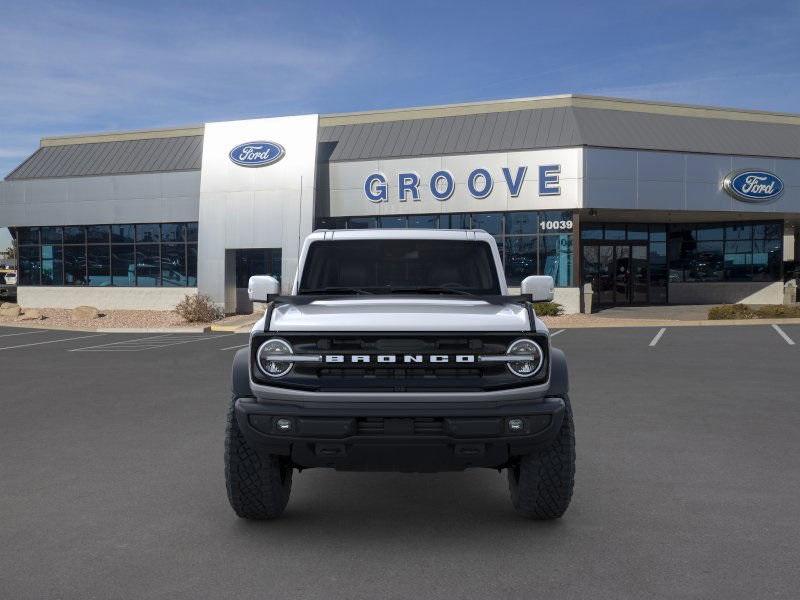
<point x="688" y="483"/>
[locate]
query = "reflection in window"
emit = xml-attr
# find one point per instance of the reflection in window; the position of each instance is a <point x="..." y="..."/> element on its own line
<point x="74" y="235"/>
<point x="555" y="258"/>
<point x="52" y="265"/>
<point x="173" y="265"/>
<point x="98" y="260"/>
<point x="393" y="222"/>
<point x="123" y="265"/>
<point x="148" y="233"/>
<point x="423" y="222"/>
<point x="148" y="265"/>
<point x="106" y="255"/>
<point x="75" y="265"/>
<point x="29" y="264"/>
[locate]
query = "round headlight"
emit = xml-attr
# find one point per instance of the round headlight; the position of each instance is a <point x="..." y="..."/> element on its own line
<point x="266" y="361"/>
<point x="529" y="358"/>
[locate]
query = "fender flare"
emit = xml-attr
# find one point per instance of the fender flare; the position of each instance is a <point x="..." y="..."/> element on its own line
<point x="559" y="374"/>
<point x="240" y="374"/>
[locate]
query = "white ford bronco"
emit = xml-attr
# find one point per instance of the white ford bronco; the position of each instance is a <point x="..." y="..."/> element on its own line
<point x="400" y="350"/>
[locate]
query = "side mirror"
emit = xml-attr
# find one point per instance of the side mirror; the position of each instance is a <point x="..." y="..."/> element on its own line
<point x="261" y="288"/>
<point x="538" y="287"/>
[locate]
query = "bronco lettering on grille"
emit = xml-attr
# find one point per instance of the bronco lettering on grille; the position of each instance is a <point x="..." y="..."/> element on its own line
<point x="399" y="358"/>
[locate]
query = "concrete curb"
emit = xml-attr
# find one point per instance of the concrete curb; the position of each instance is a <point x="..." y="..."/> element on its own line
<point x="154" y="330"/>
<point x="668" y="323"/>
<point x="38" y="325"/>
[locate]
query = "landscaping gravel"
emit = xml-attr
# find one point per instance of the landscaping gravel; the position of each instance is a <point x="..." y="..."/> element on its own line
<point x="56" y="318"/>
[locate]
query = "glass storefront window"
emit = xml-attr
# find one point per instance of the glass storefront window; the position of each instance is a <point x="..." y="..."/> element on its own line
<point x="362" y="222"/>
<point x="122" y="234"/>
<point x="74" y="235"/>
<point x="52" y="265"/>
<point x="148" y="233"/>
<point x="29" y="264"/>
<point x="591" y="231"/>
<point x="393" y="222"/>
<point x="107" y="255"/>
<point x="423" y="222"/>
<point x="52" y="235"/>
<point x="74" y="265"/>
<point x="522" y="223"/>
<point x="173" y="265"/>
<point x="614" y="231"/>
<point x="148" y="265"/>
<point x="27" y="235"/>
<point x="173" y="232"/>
<point x="454" y="221"/>
<point x="638" y="232"/>
<point x="191" y="232"/>
<point x="726" y="252"/>
<point x="98" y="259"/>
<point x="191" y="267"/>
<point x="521" y="260"/>
<point x="489" y="222"/>
<point x="555" y="258"/>
<point x="97" y="234"/>
<point x="123" y="265"/>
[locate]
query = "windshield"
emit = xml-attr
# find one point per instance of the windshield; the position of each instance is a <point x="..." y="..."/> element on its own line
<point x="399" y="266"/>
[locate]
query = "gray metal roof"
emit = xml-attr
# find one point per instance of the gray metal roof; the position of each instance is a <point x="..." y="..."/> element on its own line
<point x="488" y="132"/>
<point x="522" y="124"/>
<point x="183" y="153"/>
<point x="558" y="127"/>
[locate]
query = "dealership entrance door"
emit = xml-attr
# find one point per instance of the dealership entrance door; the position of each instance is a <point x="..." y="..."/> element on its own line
<point x="618" y="272"/>
<point x="249" y="262"/>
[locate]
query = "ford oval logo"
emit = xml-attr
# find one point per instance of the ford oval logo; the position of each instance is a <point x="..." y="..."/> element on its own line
<point x="753" y="186"/>
<point x="257" y="154"/>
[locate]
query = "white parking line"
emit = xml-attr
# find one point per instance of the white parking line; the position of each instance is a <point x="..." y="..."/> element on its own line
<point x="152" y="337"/>
<point x="555" y="333"/>
<point x="152" y="343"/>
<point x="782" y="333"/>
<point x="234" y="347"/>
<point x="658" y="337"/>
<point x="83" y="337"/>
<point x="25" y="333"/>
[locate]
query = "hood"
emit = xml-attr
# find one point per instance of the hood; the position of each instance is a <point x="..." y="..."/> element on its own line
<point x="401" y="314"/>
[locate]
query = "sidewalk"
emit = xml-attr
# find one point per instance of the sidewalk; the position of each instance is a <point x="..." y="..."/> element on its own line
<point x="654" y="316"/>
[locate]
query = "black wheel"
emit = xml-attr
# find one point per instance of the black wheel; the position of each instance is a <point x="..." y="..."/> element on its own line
<point x="258" y="487"/>
<point x="541" y="482"/>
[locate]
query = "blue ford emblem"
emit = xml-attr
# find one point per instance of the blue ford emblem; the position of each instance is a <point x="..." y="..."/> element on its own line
<point x="257" y="154"/>
<point x="753" y="186"/>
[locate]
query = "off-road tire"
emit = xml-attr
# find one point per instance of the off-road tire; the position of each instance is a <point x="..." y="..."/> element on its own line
<point x="541" y="482"/>
<point x="258" y="486"/>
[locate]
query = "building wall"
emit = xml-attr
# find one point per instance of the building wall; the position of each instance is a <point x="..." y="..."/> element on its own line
<point x="726" y="292"/>
<point x="103" y="298"/>
<point x="672" y="181"/>
<point x="347" y="179"/>
<point x="107" y="199"/>
<point x="265" y="207"/>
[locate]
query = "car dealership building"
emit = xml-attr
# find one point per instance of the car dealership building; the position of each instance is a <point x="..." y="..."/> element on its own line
<point x="651" y="203"/>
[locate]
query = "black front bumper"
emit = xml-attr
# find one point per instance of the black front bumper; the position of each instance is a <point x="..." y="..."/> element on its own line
<point x="397" y="437"/>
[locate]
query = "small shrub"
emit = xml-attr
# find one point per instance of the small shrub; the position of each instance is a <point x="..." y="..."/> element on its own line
<point x="548" y="309"/>
<point x="198" y="308"/>
<point x="731" y="311"/>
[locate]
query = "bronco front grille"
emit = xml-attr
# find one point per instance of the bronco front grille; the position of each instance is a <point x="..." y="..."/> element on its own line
<point x="399" y="376"/>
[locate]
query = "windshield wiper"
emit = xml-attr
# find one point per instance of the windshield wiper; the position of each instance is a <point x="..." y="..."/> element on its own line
<point x="339" y="289"/>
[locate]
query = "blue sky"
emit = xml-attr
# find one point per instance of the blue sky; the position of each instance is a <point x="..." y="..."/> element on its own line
<point x="74" y="67"/>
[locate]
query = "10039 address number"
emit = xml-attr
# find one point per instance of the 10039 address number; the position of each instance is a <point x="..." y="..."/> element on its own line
<point x="556" y="225"/>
